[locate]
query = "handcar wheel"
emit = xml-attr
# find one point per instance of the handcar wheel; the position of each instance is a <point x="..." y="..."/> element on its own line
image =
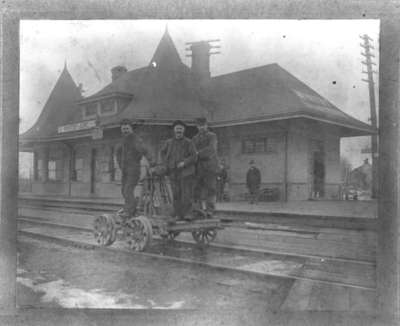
<point x="204" y="237"/>
<point x="104" y="230"/>
<point x="137" y="233"/>
<point x="173" y="234"/>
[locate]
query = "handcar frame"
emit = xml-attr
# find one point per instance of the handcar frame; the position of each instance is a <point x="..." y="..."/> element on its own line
<point x="138" y="231"/>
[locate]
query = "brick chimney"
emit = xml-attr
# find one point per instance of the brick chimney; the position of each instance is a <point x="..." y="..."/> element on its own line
<point x="201" y="60"/>
<point x="117" y="72"/>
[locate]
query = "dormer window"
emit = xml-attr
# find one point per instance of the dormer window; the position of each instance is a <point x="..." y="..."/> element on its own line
<point x="90" y="110"/>
<point x="104" y="106"/>
<point x="108" y="107"/>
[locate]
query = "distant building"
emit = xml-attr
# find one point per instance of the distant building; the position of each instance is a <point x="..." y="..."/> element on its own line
<point x="361" y="177"/>
<point x="263" y="113"/>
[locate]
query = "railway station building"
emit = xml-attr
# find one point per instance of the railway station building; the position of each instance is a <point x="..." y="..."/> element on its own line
<point x="263" y="114"/>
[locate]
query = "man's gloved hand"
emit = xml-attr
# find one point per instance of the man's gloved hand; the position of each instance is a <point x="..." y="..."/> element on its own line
<point x="180" y="165"/>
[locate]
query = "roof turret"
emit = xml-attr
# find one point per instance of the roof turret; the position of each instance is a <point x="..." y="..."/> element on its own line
<point x="166" y="55"/>
<point x="59" y="108"/>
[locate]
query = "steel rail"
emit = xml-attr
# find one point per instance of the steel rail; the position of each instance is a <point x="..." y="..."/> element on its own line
<point x="217" y="245"/>
<point x="85" y="245"/>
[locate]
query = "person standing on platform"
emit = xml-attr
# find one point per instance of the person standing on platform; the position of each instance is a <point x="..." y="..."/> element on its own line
<point x="253" y="182"/>
<point x="205" y="143"/>
<point x="129" y="155"/>
<point x="178" y="156"/>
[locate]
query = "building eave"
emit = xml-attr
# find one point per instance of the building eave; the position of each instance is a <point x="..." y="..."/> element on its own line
<point x="54" y="138"/>
<point x="150" y="121"/>
<point x="105" y="96"/>
<point x="219" y="124"/>
<point x="230" y="123"/>
<point x="88" y="133"/>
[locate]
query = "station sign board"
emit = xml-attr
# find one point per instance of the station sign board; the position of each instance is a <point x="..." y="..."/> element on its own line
<point x="77" y="126"/>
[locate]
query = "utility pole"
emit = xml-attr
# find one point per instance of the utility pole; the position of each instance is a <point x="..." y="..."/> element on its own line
<point x="368" y="63"/>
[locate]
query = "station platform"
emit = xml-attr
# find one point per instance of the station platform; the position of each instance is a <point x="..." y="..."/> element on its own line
<point x="320" y="208"/>
<point x="357" y="215"/>
<point x="331" y="208"/>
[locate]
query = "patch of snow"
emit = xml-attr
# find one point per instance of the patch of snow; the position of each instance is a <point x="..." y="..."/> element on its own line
<point x="66" y="296"/>
<point x="175" y="305"/>
<point x="272" y="266"/>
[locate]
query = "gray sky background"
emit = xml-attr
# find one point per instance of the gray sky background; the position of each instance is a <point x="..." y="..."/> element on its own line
<point x="318" y="52"/>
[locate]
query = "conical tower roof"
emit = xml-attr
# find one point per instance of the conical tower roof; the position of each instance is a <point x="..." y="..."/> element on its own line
<point x="166" y="54"/>
<point x="59" y="109"/>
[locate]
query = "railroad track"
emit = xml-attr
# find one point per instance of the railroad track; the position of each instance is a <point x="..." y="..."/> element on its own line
<point x="349" y="273"/>
<point x="92" y="206"/>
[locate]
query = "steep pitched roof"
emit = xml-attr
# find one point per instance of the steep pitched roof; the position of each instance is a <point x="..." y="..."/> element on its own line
<point x="127" y="83"/>
<point x="166" y="54"/>
<point x="165" y="90"/>
<point x="162" y="97"/>
<point x="165" y="61"/>
<point x="271" y="92"/>
<point x="60" y="108"/>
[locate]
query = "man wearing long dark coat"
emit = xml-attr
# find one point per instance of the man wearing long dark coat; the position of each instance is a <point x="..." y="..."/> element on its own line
<point x="129" y="155"/>
<point x="179" y="156"/>
<point x="205" y="143"/>
<point x="253" y="182"/>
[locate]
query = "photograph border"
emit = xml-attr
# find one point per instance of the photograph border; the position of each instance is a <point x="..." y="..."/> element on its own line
<point x="388" y="251"/>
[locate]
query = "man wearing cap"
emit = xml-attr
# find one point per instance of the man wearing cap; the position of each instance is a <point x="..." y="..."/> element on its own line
<point x="178" y="156"/>
<point x="253" y="182"/>
<point x="129" y="155"/>
<point x="205" y="143"/>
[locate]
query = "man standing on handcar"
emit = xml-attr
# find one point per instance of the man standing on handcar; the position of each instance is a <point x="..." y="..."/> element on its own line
<point x="205" y="143"/>
<point x="178" y="156"/>
<point x="129" y="156"/>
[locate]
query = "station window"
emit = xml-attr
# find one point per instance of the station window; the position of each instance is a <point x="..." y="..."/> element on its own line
<point x="108" y="107"/>
<point x="77" y="172"/>
<point x="111" y="164"/>
<point x="90" y="110"/>
<point x="123" y="103"/>
<point x="77" y="166"/>
<point x="271" y="145"/>
<point x="55" y="166"/>
<point x="248" y="146"/>
<point x="52" y="168"/>
<point x="223" y="147"/>
<point x="40" y="172"/>
<point x="117" y="170"/>
<point x="102" y="164"/>
<point x="36" y="172"/>
<point x="259" y="145"/>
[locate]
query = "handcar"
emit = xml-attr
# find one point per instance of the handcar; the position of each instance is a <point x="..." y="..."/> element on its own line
<point x="153" y="219"/>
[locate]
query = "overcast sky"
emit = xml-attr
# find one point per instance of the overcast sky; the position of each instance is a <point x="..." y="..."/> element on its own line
<point x="323" y="54"/>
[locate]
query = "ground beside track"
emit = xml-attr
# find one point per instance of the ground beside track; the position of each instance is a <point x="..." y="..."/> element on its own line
<point x="50" y="275"/>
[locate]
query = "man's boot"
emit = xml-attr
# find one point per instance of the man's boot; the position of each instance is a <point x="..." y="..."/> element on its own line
<point x="210" y="206"/>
